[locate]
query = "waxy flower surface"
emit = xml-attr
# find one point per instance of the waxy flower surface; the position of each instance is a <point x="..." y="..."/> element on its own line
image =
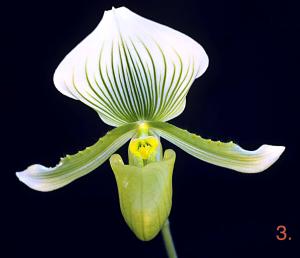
<point x="136" y="73"/>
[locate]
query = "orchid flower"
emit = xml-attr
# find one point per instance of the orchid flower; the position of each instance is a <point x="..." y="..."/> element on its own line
<point x="136" y="73"/>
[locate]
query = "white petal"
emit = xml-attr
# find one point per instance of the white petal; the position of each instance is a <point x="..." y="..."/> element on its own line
<point x="130" y="68"/>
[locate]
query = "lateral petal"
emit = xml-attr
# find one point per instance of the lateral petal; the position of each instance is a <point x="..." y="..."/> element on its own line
<point x="228" y="155"/>
<point x="71" y="167"/>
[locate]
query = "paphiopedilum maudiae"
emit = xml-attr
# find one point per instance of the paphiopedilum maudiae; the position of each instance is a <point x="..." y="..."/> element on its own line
<point x="135" y="74"/>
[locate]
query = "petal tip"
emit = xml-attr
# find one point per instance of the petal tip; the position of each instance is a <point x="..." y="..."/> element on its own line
<point x="270" y="154"/>
<point x="27" y="177"/>
<point x="274" y="151"/>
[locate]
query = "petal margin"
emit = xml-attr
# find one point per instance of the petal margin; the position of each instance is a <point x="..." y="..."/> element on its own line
<point x="131" y="68"/>
<point x="228" y="155"/>
<point x="71" y="167"/>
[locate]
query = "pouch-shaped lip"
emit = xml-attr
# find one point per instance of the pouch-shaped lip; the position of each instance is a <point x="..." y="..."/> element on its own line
<point x="145" y="193"/>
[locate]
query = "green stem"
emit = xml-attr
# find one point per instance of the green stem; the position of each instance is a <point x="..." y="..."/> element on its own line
<point x="169" y="244"/>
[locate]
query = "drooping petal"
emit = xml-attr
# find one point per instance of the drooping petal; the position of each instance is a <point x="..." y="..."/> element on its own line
<point x="145" y="193"/>
<point x="130" y="68"/>
<point x="227" y="155"/>
<point x="72" y="167"/>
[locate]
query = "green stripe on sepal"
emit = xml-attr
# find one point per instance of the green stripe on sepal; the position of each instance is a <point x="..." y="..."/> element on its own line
<point x="145" y="193"/>
<point x="227" y="155"/>
<point x="72" y="167"/>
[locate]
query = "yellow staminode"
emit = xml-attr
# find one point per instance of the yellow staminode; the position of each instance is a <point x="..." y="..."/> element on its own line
<point x="143" y="147"/>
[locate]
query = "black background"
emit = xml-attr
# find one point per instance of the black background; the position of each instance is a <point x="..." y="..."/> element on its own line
<point x="249" y="94"/>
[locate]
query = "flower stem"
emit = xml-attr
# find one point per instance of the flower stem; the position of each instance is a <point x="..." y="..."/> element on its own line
<point x="169" y="244"/>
